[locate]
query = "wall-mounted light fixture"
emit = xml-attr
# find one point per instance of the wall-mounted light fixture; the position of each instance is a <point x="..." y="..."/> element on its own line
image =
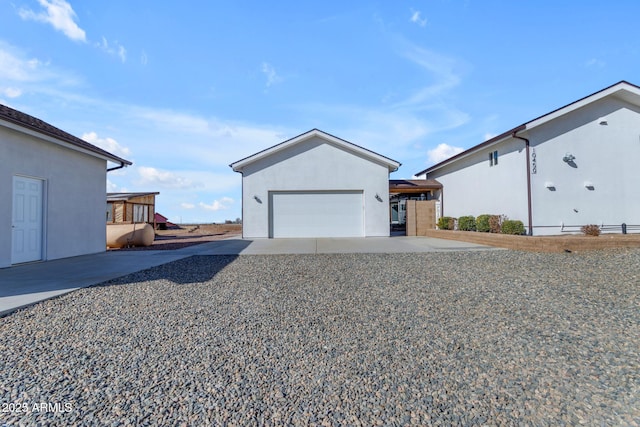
<point x="378" y="198"/>
<point x="257" y="199"/>
<point x="603" y="121"/>
<point x="568" y="158"/>
<point x="550" y="185"/>
<point x="589" y="185"/>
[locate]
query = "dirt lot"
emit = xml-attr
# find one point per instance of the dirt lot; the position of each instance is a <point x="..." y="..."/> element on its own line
<point x="188" y="235"/>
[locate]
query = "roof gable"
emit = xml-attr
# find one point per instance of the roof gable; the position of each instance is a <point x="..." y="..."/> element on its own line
<point x="622" y="90"/>
<point x="392" y="165"/>
<point x="30" y="124"/>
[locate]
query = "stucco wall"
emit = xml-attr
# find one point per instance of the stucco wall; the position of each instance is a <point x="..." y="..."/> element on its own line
<point x="314" y="164"/>
<point x="472" y="187"/>
<point x="606" y="155"/>
<point x="74" y="195"/>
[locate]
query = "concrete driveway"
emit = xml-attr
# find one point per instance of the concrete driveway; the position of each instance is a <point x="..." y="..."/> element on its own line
<point x="398" y="244"/>
<point x="26" y="284"/>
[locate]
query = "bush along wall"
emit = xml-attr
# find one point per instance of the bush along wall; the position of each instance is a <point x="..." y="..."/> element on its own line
<point x="482" y="223"/>
<point x="495" y="223"/>
<point x="512" y="226"/>
<point x="467" y="223"/>
<point x="590" y="230"/>
<point x="487" y="223"/>
<point x="446" y="223"/>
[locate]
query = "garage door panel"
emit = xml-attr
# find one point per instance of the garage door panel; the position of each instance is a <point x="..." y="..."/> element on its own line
<point x="316" y="214"/>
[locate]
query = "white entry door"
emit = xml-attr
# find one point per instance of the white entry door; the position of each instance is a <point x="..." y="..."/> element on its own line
<point x="26" y="235"/>
<point x="316" y="214"/>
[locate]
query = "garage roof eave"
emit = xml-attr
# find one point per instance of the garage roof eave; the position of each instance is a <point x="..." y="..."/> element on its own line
<point x="391" y="164"/>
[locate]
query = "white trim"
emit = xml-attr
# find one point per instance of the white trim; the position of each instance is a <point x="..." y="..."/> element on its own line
<point x="391" y="164"/>
<point x="622" y="89"/>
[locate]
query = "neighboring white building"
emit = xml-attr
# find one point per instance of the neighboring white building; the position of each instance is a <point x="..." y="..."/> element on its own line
<point x="574" y="166"/>
<point x="315" y="185"/>
<point x="53" y="187"/>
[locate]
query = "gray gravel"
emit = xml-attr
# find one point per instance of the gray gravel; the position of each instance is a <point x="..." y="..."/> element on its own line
<point x="461" y="338"/>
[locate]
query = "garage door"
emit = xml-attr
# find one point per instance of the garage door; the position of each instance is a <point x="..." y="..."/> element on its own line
<point x="316" y="214"/>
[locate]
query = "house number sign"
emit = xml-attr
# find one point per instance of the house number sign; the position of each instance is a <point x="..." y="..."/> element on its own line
<point x="534" y="163"/>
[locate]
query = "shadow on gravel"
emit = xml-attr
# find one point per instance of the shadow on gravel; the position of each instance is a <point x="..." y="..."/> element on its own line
<point x="182" y="272"/>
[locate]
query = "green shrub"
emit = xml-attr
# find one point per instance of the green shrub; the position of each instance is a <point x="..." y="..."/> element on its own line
<point x="590" y="230"/>
<point x="512" y="226"/>
<point x="482" y="223"/>
<point x="467" y="223"/>
<point x="446" y="223"/>
<point x="495" y="223"/>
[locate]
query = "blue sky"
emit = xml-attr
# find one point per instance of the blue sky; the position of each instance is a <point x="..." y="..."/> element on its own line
<point x="185" y="89"/>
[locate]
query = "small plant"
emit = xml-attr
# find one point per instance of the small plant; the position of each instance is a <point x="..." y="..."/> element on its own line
<point x="590" y="230"/>
<point x="467" y="223"/>
<point x="482" y="223"/>
<point x="495" y="223"/>
<point x="446" y="223"/>
<point x="512" y="226"/>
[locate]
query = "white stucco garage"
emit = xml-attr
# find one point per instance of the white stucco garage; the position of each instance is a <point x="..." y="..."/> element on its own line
<point x="53" y="191"/>
<point x="315" y="185"/>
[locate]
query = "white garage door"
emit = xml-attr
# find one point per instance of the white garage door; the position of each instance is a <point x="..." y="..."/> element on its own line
<point x="316" y="214"/>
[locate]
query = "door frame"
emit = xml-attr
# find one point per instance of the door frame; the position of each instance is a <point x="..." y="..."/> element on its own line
<point x="43" y="213"/>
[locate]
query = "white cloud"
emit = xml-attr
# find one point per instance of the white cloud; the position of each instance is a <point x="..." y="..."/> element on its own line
<point x="217" y="205"/>
<point x="116" y="50"/>
<point x="488" y="136"/>
<point x="10" y="92"/>
<point x="160" y="178"/>
<point x="60" y="15"/>
<point x="16" y="68"/>
<point x="111" y="187"/>
<point x="187" y="205"/>
<point x="443" y="69"/>
<point x="212" y="141"/>
<point x="108" y="144"/>
<point x="594" y="62"/>
<point x="443" y="152"/>
<point x="270" y="73"/>
<point x="144" y="59"/>
<point x="122" y="53"/>
<point x="416" y="18"/>
<point x="172" y="120"/>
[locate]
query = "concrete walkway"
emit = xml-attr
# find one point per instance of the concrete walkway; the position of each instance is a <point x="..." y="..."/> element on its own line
<point x="26" y="284"/>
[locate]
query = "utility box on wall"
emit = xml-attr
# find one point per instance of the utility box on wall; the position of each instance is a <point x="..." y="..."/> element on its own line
<point x="421" y="216"/>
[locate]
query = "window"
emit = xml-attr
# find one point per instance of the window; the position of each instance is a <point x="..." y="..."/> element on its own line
<point x="140" y="213"/>
<point x="493" y="158"/>
<point x="109" y="212"/>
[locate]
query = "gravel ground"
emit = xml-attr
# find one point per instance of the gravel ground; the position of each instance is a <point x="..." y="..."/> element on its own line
<point x="461" y="338"/>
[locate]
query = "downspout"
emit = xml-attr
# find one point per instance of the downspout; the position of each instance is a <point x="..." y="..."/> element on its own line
<point x="527" y="154"/>
<point x="122" y="164"/>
